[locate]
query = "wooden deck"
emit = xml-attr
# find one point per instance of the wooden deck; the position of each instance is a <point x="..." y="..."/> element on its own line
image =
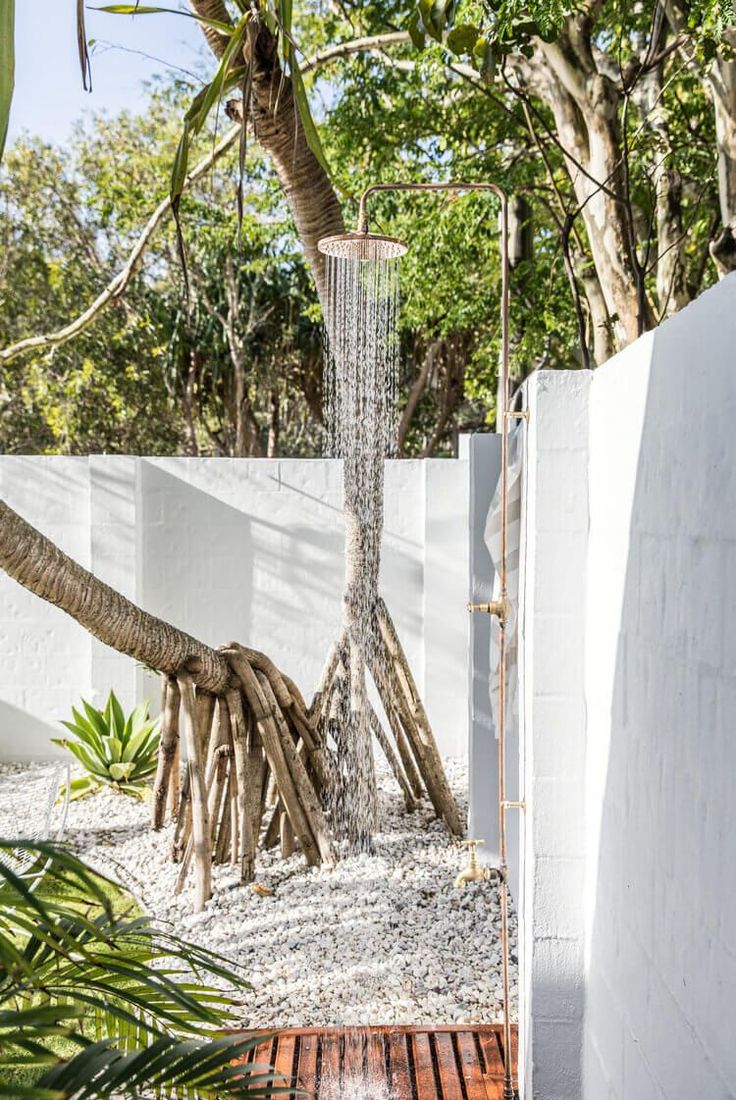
<point x="384" y="1063"/>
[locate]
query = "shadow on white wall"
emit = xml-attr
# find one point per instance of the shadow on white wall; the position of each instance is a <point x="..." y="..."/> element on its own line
<point x="661" y="688"/>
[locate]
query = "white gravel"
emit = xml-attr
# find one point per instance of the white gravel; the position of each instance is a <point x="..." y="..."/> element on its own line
<point x="381" y="939"/>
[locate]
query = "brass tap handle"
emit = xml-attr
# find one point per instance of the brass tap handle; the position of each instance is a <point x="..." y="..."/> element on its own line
<point x="473" y="872"/>
<point x="498" y="608"/>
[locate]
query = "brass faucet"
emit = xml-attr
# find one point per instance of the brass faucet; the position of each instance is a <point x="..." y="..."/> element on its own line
<point x="473" y="872"/>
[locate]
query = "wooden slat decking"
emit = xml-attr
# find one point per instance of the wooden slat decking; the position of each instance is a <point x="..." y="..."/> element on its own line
<point x="389" y="1063"/>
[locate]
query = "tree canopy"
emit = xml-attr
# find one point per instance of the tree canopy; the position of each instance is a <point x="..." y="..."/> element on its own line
<point x="612" y="126"/>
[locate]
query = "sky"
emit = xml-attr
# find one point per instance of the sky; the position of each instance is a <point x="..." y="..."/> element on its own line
<point x="49" y="97"/>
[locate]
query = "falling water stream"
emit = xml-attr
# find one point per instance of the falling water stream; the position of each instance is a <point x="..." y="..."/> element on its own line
<point x="361" y="372"/>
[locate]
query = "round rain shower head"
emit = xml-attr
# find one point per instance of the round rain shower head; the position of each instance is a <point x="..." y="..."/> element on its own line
<point x="362" y="246"/>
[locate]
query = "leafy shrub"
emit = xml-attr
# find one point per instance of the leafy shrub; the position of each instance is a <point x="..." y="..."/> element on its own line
<point x="115" y="751"/>
<point x="96" y="1002"/>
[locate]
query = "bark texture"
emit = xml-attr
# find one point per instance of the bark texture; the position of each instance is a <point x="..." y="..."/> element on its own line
<point x="278" y="129"/>
<point x="723" y="89"/>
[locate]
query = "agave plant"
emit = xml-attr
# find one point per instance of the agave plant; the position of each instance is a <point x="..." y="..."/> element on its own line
<point x="114" y="750"/>
<point x="99" y="1004"/>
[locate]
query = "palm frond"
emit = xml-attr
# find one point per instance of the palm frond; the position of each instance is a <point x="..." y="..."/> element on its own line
<point x="194" y="1068"/>
<point x="7" y="66"/>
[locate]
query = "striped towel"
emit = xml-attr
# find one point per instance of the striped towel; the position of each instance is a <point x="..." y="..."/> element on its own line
<point x="492" y="537"/>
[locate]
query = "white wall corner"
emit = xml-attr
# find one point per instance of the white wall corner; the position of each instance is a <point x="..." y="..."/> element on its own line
<point x="552" y="640"/>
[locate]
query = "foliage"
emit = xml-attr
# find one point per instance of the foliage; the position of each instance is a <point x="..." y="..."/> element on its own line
<point x="94" y="1003"/>
<point x="237" y="41"/>
<point x="487" y="34"/>
<point x="64" y="228"/>
<point x="115" y="750"/>
<point x="153" y="375"/>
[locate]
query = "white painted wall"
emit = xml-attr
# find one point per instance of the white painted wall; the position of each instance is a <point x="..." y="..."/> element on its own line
<point x="229" y="549"/>
<point x="661" y="696"/>
<point x="629" y="875"/>
<point x="551" y="649"/>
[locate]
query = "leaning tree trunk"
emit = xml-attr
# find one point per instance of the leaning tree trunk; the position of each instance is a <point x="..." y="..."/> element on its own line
<point x="245" y="724"/>
<point x="245" y="727"/>
<point x="36" y="563"/>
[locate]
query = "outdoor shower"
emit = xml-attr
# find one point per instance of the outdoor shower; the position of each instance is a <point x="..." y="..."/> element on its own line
<point x="371" y="250"/>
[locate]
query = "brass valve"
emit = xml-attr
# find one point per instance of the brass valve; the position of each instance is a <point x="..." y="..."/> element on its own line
<point x="499" y="608"/>
<point x="473" y="872"/>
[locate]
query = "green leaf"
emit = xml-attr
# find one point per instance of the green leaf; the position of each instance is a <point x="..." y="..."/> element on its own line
<point x="488" y="64"/>
<point x="81" y="787"/>
<point x="114" y="715"/>
<point x="428" y="10"/>
<point x="96" y="719"/>
<point x="151" y="9"/>
<point x="88" y="762"/>
<point x="121" y="770"/>
<point x="225" y="77"/>
<point x="7" y="66"/>
<point x="311" y="132"/>
<point x="115" y="749"/>
<point x="416" y="33"/>
<point x="462" y="39"/>
<point x="438" y="17"/>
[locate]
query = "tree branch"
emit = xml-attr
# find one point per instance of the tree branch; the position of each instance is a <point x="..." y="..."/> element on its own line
<point x="119" y="284"/>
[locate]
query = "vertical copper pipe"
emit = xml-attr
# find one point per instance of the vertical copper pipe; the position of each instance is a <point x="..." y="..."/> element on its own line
<point x="502" y="412"/>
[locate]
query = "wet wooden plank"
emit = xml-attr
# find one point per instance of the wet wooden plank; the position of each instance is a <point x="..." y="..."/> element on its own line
<point x="329" y="1078"/>
<point x="514" y="1053"/>
<point x="399" y="1061"/>
<point x="284" y="1060"/>
<point x="424" y="1078"/>
<point x="263" y="1056"/>
<point x="490" y="1045"/>
<point x="448" y="1066"/>
<point x="376" y="1055"/>
<point x="353" y="1072"/>
<point x="306" y="1074"/>
<point x="353" y="1058"/>
<point x="470" y="1066"/>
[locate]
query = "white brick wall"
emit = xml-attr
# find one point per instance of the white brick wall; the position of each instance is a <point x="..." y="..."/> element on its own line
<point x="629" y="875"/>
<point x="229" y="549"/>
<point x="552" y="618"/>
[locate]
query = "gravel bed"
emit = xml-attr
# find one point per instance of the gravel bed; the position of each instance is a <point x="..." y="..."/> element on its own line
<point x="380" y="939"/>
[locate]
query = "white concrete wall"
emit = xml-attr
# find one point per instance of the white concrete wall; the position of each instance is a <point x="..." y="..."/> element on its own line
<point x="552" y="643"/>
<point x="483" y="452"/>
<point x="661" y="696"/>
<point x="629" y="858"/>
<point x="229" y="549"/>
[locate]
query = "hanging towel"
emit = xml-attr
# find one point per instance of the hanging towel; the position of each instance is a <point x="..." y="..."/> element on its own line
<point x="492" y="537"/>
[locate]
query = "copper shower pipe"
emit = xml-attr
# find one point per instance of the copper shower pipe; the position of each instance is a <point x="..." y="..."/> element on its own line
<point x="498" y="608"/>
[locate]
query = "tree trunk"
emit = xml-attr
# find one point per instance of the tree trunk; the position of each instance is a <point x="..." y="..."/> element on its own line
<point x="33" y="560"/>
<point x="672" y="292"/>
<point x="585" y="104"/>
<point x="722" y="81"/>
<point x="279" y="131"/>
